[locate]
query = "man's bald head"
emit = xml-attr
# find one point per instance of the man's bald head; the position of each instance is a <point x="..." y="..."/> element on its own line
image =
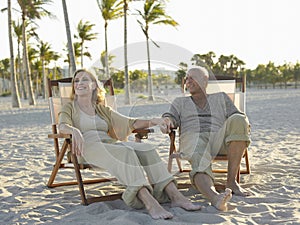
<point x="200" y="76"/>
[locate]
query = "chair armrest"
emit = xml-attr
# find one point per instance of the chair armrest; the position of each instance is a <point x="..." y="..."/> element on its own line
<point x="67" y="136"/>
<point x="142" y="133"/>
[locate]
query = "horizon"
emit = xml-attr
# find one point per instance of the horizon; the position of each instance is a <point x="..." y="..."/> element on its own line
<point x="256" y="32"/>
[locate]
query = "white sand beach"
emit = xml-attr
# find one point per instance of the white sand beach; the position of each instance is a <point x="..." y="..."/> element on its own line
<point x="27" y="157"/>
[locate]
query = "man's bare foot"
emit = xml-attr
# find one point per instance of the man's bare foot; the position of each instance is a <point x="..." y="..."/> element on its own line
<point x="220" y="201"/>
<point x="184" y="203"/>
<point x="158" y="212"/>
<point x="238" y="190"/>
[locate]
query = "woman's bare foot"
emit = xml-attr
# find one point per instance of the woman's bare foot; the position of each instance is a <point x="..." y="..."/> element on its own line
<point x="238" y="190"/>
<point x="155" y="210"/>
<point x="220" y="201"/>
<point x="158" y="212"/>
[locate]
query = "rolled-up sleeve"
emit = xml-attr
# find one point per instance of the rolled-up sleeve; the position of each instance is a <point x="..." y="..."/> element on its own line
<point x="174" y="112"/>
<point x="65" y="114"/>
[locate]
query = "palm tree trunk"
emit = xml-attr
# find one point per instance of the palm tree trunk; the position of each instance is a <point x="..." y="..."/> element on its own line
<point x="127" y="83"/>
<point x="21" y="74"/>
<point x="37" y="86"/>
<point x="81" y="55"/>
<point x="106" y="52"/>
<point x="45" y="91"/>
<point x="69" y="37"/>
<point x="14" y="88"/>
<point x="26" y="63"/>
<point x="150" y="85"/>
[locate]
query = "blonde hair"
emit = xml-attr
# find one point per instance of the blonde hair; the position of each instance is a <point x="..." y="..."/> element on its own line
<point x="98" y="96"/>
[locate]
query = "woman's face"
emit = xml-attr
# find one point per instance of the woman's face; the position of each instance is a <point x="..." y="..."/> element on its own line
<point x="83" y="84"/>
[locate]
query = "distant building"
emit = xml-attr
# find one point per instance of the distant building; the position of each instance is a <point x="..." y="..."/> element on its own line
<point x="162" y="70"/>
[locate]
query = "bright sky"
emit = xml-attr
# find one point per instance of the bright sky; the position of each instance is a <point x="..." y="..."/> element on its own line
<point x="256" y="31"/>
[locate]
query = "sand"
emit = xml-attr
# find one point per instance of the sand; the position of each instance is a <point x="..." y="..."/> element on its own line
<point x="27" y="158"/>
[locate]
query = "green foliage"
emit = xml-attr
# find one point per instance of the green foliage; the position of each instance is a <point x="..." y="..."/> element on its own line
<point x="118" y="91"/>
<point x="137" y="75"/>
<point x="180" y="74"/>
<point x="118" y="79"/>
<point x="5" y="94"/>
<point x="142" y="96"/>
<point x="261" y="76"/>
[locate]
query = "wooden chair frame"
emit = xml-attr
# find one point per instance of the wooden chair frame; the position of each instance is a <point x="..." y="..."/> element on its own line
<point x="173" y="154"/>
<point x="60" y="152"/>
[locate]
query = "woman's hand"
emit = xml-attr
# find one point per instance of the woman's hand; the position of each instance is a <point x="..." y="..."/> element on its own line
<point x="77" y="142"/>
<point x="165" y="124"/>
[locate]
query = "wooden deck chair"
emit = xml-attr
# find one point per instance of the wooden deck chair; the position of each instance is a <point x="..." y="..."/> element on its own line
<point x="59" y="92"/>
<point x="236" y="90"/>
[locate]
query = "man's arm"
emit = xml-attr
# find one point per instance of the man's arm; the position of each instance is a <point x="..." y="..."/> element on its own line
<point x="172" y="117"/>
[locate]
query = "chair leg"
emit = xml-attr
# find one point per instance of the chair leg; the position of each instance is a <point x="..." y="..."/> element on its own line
<point x="172" y="153"/>
<point x="247" y="162"/>
<point x="238" y="175"/>
<point x="170" y="164"/>
<point x="79" y="179"/>
<point x="57" y="164"/>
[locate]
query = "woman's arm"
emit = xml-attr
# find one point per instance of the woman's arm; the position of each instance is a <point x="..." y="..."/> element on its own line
<point x="65" y="128"/>
<point x="163" y="123"/>
<point x="77" y="138"/>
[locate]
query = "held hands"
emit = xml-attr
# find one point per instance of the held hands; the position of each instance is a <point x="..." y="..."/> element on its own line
<point x="165" y="124"/>
<point x="77" y="142"/>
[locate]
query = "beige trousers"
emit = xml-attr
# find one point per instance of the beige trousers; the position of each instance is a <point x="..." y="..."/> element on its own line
<point x="208" y="144"/>
<point x="135" y="165"/>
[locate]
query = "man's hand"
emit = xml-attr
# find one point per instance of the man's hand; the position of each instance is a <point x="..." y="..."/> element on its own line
<point x="166" y="126"/>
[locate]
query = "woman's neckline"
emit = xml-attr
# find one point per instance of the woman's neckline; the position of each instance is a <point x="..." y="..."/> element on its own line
<point x="85" y="112"/>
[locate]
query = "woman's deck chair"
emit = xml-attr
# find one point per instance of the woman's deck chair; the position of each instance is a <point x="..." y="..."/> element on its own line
<point x="59" y="92"/>
<point x="236" y="90"/>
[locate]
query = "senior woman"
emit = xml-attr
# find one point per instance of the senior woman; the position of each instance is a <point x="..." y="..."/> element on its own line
<point x="98" y="136"/>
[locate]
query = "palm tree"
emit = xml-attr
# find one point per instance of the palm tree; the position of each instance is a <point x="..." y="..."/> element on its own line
<point x="154" y="13"/>
<point x="18" y="33"/>
<point x="127" y="83"/>
<point x="205" y="60"/>
<point x="84" y="34"/>
<point x="181" y="72"/>
<point x="69" y="37"/>
<point x="223" y="60"/>
<point x="4" y="70"/>
<point x="35" y="65"/>
<point x="31" y="10"/>
<point x="296" y="70"/>
<point x="76" y="52"/>
<point x="110" y="10"/>
<point x="46" y="55"/>
<point x="14" y="89"/>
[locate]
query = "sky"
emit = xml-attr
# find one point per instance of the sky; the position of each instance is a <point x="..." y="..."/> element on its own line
<point x="255" y="31"/>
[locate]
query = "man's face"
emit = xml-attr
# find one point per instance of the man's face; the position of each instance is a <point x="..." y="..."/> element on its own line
<point x="195" y="82"/>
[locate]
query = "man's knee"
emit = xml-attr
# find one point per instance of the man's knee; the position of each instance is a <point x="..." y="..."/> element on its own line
<point x="237" y="129"/>
<point x="238" y="123"/>
<point x="238" y="120"/>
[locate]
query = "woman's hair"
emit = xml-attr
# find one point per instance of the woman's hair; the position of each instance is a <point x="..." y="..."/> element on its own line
<point x="98" y="96"/>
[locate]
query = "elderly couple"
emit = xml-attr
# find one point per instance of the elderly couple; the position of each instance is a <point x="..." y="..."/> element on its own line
<point x="207" y="122"/>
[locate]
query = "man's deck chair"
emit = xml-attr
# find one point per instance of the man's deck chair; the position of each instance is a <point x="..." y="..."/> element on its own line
<point x="236" y="90"/>
<point x="59" y="94"/>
